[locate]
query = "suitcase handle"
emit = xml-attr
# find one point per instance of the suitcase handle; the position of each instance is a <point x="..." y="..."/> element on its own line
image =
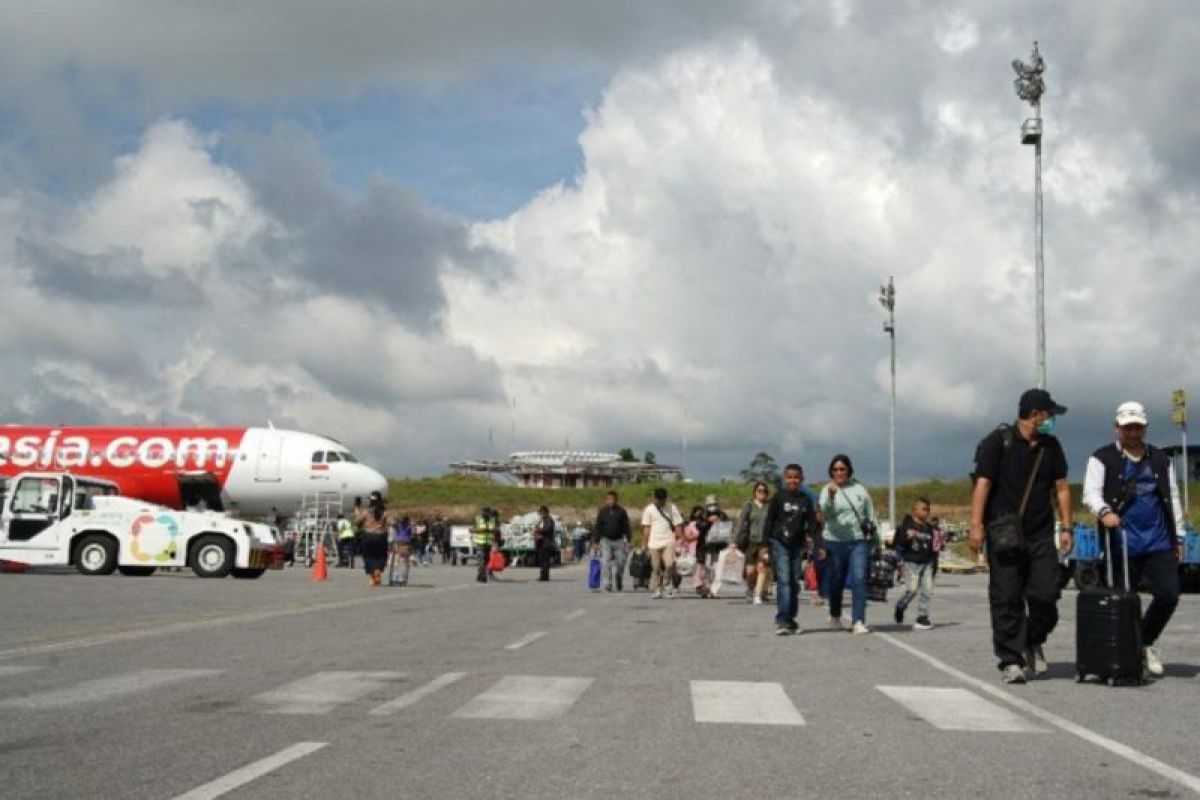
<point x="1124" y="554"/>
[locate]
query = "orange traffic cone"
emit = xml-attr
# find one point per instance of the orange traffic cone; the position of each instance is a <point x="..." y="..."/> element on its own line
<point x="320" y="570"/>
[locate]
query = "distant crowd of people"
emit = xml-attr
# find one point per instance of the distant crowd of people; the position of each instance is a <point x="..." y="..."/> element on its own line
<point x="790" y="538"/>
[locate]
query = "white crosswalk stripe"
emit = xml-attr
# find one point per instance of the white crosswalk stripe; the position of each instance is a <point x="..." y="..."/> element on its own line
<point x="526" y="697"/>
<point x="743" y="703"/>
<point x="102" y="689"/>
<point x="322" y="692"/>
<point x="416" y="695"/>
<point x="958" y="710"/>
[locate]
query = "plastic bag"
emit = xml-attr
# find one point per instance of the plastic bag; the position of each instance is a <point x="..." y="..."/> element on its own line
<point x="730" y="566"/>
<point x="593" y="577"/>
<point x="496" y="562"/>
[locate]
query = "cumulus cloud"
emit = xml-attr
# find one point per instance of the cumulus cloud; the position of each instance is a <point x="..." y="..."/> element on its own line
<point x="750" y="175"/>
<point x="176" y="291"/>
<point x="710" y="277"/>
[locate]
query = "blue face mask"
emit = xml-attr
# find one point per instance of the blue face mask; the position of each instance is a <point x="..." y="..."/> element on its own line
<point x="1047" y="425"/>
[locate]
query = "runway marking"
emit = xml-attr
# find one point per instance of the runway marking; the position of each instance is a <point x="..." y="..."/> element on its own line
<point x="743" y="703"/>
<point x="526" y="697"/>
<point x="420" y="693"/>
<point x="958" y="710"/>
<point x="101" y="689"/>
<point x="1160" y="768"/>
<point x="15" y="670"/>
<point x="250" y="772"/>
<point x="322" y="692"/>
<point x="575" y="614"/>
<point x="524" y="640"/>
<point x="217" y="622"/>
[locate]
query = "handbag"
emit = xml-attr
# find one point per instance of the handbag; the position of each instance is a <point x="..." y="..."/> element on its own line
<point x="496" y="562"/>
<point x="1006" y="533"/>
<point x="867" y="527"/>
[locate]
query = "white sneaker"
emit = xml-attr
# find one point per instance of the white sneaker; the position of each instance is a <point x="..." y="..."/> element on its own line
<point x="1013" y="673"/>
<point x="1154" y="663"/>
<point x="757" y="600"/>
<point x="861" y="627"/>
<point x="657" y="595"/>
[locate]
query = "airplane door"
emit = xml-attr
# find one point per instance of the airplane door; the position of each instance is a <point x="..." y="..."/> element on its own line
<point x="268" y="466"/>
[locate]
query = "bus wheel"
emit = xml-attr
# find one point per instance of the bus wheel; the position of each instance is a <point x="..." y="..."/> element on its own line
<point x="212" y="557"/>
<point x="1087" y="576"/>
<point x="96" y="555"/>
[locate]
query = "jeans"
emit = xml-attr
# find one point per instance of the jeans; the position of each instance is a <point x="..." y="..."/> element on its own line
<point x="613" y="553"/>
<point x="787" y="561"/>
<point x="918" y="581"/>
<point x="1160" y="572"/>
<point x="1023" y="594"/>
<point x="580" y="548"/>
<point x="847" y="564"/>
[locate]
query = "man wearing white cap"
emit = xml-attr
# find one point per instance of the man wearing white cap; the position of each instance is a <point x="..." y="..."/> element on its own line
<point x="1131" y="485"/>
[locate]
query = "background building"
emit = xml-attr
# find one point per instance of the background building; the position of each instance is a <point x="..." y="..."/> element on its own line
<point x="569" y="469"/>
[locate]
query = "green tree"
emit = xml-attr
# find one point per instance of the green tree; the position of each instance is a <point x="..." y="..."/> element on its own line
<point x="763" y="467"/>
<point x="626" y="454"/>
<point x="650" y="458"/>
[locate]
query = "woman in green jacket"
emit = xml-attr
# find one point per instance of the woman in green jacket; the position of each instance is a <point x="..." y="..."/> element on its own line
<point x="851" y="532"/>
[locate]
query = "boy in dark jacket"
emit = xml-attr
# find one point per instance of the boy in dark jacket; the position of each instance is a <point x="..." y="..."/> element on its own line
<point x="917" y="543"/>
<point x="790" y="529"/>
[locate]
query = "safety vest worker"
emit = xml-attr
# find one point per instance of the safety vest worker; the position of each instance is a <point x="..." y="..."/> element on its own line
<point x="484" y="533"/>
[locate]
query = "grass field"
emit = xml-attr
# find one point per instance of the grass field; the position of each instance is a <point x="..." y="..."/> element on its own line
<point x="457" y="498"/>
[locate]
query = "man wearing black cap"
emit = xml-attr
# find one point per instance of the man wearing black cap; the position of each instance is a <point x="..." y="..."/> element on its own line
<point x="1019" y="462"/>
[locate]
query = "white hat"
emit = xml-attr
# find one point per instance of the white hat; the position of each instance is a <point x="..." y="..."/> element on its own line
<point x="1131" y="413"/>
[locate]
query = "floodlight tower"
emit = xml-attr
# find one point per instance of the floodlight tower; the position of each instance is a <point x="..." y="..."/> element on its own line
<point x="1030" y="87"/>
<point x="887" y="299"/>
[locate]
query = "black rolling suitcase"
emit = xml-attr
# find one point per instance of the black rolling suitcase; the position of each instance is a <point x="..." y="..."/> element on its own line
<point x="1108" y="629"/>
<point x="640" y="569"/>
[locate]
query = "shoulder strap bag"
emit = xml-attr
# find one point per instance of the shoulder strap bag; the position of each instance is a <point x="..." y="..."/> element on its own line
<point x="1006" y="533"/>
<point x="867" y="527"/>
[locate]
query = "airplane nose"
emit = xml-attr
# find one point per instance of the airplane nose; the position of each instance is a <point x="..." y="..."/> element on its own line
<point x="374" y="482"/>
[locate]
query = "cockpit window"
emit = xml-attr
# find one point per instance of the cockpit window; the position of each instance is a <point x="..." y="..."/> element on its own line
<point x="319" y="457"/>
<point x="332" y="457"/>
<point x="349" y="457"/>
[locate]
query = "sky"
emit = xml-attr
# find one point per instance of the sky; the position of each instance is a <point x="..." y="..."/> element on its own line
<point x="455" y="230"/>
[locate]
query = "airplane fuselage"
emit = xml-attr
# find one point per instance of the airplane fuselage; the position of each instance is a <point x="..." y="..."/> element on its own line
<point x="248" y="471"/>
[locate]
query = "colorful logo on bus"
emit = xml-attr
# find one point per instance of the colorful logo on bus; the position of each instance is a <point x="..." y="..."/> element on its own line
<point x="140" y="532"/>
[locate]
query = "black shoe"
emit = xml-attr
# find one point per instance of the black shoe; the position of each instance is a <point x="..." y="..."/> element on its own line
<point x="782" y="629"/>
<point x="899" y="615"/>
<point x="793" y="627"/>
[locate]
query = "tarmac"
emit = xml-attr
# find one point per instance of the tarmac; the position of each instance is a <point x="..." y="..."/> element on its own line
<point x="171" y="686"/>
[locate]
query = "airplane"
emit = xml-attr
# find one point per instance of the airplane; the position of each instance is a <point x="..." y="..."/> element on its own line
<point x="245" y="471"/>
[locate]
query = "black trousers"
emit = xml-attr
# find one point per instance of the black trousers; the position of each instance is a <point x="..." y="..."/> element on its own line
<point x="543" y="553"/>
<point x="484" y="552"/>
<point x="1023" y="594"/>
<point x="1160" y="572"/>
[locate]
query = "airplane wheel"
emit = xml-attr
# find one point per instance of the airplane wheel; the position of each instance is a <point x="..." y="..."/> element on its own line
<point x="212" y="557"/>
<point x="135" y="571"/>
<point x="96" y="555"/>
<point x="249" y="574"/>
